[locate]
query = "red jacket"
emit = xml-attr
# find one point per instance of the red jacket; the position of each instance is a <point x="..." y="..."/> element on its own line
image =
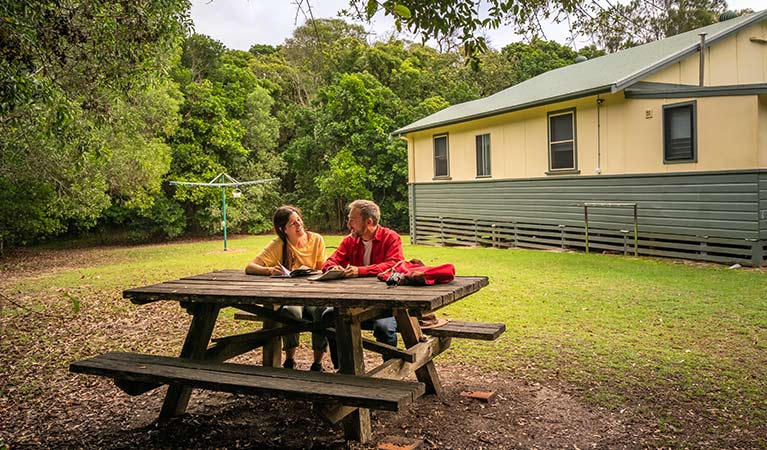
<point x="386" y="252"/>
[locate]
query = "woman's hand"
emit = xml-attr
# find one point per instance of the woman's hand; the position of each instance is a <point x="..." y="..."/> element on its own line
<point x="276" y="270"/>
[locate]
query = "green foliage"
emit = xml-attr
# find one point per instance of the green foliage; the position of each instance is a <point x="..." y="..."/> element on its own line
<point x="51" y="171"/>
<point x="83" y="106"/>
<point x="227" y="126"/>
<point x="200" y="56"/>
<point x="614" y="25"/>
<point x="440" y="19"/>
<point x="531" y="60"/>
<point x="263" y="49"/>
<point x="350" y="155"/>
<point x="626" y="25"/>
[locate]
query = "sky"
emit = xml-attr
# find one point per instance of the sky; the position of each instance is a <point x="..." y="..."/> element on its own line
<point x="238" y="24"/>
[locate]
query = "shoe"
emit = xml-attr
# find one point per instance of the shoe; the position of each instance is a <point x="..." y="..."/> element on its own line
<point x="289" y="364"/>
<point x="316" y="367"/>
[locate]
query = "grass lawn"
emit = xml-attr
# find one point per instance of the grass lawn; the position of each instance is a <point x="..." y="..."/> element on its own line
<point x="680" y="345"/>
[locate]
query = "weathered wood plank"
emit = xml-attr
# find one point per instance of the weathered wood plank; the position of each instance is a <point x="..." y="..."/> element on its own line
<point x="411" y="336"/>
<point x="238" y="279"/>
<point x="362" y="293"/>
<point x="195" y="345"/>
<point x="394" y="369"/>
<point x="237" y="378"/>
<point x="351" y="361"/>
<point x="380" y="292"/>
<point x="468" y="330"/>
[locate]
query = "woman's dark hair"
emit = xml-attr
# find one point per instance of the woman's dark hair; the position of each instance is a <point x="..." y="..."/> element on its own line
<point x="280" y="221"/>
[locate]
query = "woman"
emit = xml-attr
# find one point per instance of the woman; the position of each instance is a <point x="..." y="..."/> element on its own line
<point x="292" y="248"/>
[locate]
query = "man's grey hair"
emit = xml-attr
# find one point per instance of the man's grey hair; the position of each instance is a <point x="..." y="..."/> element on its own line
<point x="367" y="209"/>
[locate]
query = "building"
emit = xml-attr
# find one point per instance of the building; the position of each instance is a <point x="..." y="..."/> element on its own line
<point x="678" y="131"/>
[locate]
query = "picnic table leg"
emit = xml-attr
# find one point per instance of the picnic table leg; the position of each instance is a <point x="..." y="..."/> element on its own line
<point x="351" y="361"/>
<point x="272" y="353"/>
<point x="411" y="335"/>
<point x="196" y="343"/>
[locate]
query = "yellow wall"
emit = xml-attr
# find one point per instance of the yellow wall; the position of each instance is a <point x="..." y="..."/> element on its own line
<point x="731" y="131"/>
<point x="733" y="60"/>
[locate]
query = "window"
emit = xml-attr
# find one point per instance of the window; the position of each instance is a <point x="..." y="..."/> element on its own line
<point x="483" y="155"/>
<point x="562" y="140"/>
<point x="679" y="134"/>
<point x="441" y="166"/>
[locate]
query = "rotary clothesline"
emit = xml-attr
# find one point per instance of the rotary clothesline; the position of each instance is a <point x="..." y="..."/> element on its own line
<point x="224" y="181"/>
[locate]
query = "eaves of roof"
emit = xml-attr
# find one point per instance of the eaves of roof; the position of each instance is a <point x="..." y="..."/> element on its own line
<point x="546" y="101"/>
<point x="643" y="89"/>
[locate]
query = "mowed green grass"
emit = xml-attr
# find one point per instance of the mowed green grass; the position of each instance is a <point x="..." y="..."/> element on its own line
<point x="661" y="338"/>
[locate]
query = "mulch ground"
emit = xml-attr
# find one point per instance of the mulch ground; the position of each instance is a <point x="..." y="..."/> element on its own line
<point x="89" y="412"/>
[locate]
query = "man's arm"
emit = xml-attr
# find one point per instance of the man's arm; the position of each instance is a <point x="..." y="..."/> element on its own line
<point x="342" y="255"/>
<point x="392" y="254"/>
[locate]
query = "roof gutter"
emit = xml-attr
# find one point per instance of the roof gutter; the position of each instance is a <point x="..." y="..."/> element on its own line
<point x="496" y="112"/>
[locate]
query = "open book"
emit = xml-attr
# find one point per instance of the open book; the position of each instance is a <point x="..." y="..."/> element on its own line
<point x="331" y="274"/>
<point x="300" y="272"/>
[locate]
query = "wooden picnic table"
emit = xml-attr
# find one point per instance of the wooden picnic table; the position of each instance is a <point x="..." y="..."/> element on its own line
<point x="355" y="300"/>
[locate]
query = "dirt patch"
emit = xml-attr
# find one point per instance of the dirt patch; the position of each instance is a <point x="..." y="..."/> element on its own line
<point x="89" y="412"/>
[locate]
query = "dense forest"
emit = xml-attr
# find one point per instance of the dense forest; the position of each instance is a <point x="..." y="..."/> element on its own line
<point x="104" y="103"/>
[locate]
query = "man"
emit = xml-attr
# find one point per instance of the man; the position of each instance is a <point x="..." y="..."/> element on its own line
<point x="368" y="250"/>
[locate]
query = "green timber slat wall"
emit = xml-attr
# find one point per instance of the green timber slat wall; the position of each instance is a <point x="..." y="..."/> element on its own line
<point x="715" y="216"/>
<point x="723" y="204"/>
<point x="411" y="208"/>
<point x="763" y="204"/>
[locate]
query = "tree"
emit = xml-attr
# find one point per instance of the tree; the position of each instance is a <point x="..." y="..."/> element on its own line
<point x="639" y="21"/>
<point x="464" y="19"/>
<point x="75" y="109"/>
<point x="227" y="126"/>
<point x="530" y="60"/>
<point x="345" y="152"/>
<point x="615" y="25"/>
<point x="313" y="47"/>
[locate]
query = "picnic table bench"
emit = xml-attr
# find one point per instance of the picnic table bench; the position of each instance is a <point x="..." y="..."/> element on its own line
<point x="346" y="396"/>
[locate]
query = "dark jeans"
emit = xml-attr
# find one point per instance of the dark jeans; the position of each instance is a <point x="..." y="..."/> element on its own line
<point x="384" y="330"/>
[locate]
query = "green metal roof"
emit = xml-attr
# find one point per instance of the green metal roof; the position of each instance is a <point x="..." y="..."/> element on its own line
<point x="609" y="73"/>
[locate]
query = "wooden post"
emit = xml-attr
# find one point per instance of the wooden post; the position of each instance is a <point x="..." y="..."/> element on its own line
<point x="625" y="242"/>
<point x="516" y="238"/>
<point x="757" y="253"/>
<point x="562" y="235"/>
<point x="196" y="343"/>
<point x="272" y="353"/>
<point x="636" y="232"/>
<point x="351" y="361"/>
<point x="704" y="245"/>
<point x="411" y="335"/>
<point x="442" y="231"/>
<point x="586" y="222"/>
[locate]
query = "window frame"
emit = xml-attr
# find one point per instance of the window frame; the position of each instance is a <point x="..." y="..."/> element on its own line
<point x="693" y="132"/>
<point x="487" y="158"/>
<point x="562" y="112"/>
<point x="434" y="138"/>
